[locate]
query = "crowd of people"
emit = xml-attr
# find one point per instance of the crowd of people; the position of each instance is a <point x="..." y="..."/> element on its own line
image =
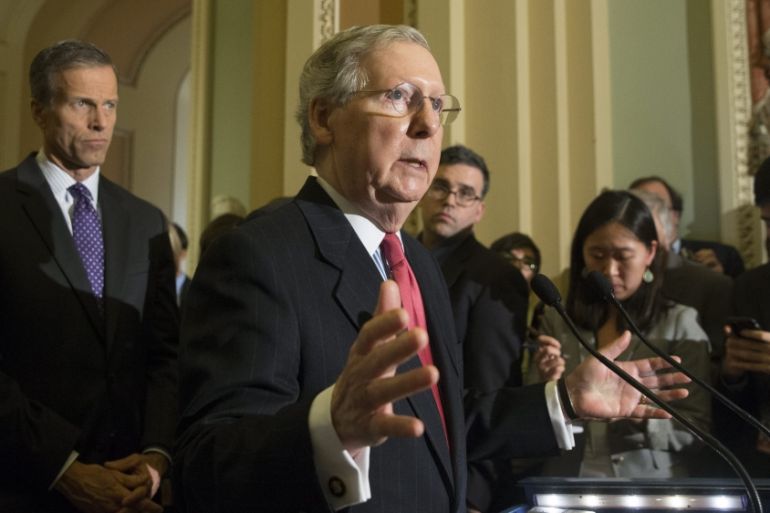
<point x="324" y="358"/>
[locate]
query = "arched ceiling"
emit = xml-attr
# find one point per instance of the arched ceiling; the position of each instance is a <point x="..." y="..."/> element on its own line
<point x="126" y="30"/>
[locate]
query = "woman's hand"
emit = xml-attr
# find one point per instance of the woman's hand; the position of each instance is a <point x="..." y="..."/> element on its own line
<point x="548" y="358"/>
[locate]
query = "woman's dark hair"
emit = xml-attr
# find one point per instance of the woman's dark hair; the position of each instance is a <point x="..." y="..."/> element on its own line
<point x="647" y="304"/>
<point x="516" y="240"/>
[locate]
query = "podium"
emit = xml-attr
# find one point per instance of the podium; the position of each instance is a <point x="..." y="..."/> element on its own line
<point x="694" y="495"/>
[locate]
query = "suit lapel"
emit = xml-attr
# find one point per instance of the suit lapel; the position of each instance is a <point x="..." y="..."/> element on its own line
<point x="39" y="204"/>
<point x="115" y="229"/>
<point x="341" y="248"/>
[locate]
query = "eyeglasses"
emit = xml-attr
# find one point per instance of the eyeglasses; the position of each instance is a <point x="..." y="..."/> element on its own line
<point x="464" y="196"/>
<point x="525" y="261"/>
<point x="406" y="99"/>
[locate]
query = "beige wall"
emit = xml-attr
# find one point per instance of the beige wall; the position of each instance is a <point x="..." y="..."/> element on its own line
<point x="557" y="95"/>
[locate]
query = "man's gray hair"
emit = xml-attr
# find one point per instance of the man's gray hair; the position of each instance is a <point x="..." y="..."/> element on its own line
<point x="659" y="210"/>
<point x="51" y="61"/>
<point x="334" y="71"/>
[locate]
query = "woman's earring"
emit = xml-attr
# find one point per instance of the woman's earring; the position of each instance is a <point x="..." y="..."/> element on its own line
<point x="647" y="277"/>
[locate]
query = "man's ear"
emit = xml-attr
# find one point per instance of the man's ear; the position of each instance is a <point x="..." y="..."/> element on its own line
<point x="318" y="118"/>
<point x="38" y="113"/>
<point x="480" y="212"/>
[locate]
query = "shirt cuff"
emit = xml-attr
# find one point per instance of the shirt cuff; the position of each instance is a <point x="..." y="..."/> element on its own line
<point x="562" y="428"/>
<point x="159" y="450"/>
<point x="344" y="479"/>
<point x="72" y="457"/>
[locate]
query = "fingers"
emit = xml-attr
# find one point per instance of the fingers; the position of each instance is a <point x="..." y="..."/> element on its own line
<point x="135" y="486"/>
<point x="617" y="346"/>
<point x="386" y="426"/>
<point x="124" y="464"/>
<point x="763" y="368"/>
<point x="383" y="326"/>
<point x="652" y="366"/>
<point x="389" y="298"/>
<point x="137" y="495"/>
<point x="385" y="357"/>
<point x="388" y="390"/>
<point x="666" y="380"/>
<point x="545" y="341"/>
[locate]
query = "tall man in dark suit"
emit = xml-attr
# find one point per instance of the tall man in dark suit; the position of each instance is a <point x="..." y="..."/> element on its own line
<point x="303" y="388"/>
<point x="88" y="332"/>
<point x="489" y="297"/>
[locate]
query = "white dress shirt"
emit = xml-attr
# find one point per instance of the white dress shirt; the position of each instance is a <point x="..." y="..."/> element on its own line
<point x="333" y="462"/>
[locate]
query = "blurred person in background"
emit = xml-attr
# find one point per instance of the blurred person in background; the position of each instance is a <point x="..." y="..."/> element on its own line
<point x="616" y="236"/>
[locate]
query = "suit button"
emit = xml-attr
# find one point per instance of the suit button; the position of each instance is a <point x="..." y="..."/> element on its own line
<point x="336" y="486"/>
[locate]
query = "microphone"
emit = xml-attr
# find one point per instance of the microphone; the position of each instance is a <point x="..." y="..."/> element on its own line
<point x="549" y="294"/>
<point x="602" y="285"/>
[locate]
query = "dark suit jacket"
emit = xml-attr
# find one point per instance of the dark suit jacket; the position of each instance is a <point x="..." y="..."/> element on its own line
<point x="728" y="256"/>
<point x="270" y="317"/>
<point x="70" y="378"/>
<point x="751" y="297"/>
<point x="709" y="292"/>
<point x="489" y="300"/>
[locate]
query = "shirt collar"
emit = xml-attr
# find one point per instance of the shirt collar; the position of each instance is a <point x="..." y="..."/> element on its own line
<point x="59" y="181"/>
<point x="369" y="234"/>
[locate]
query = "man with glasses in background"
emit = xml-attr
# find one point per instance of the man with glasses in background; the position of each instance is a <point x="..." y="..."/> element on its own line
<point x="489" y="297"/>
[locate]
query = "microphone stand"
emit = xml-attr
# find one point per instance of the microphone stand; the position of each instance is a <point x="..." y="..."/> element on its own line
<point x="548" y="293"/>
<point x="602" y="286"/>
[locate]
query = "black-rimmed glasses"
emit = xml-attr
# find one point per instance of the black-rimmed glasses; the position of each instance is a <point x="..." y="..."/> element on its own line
<point x="464" y="196"/>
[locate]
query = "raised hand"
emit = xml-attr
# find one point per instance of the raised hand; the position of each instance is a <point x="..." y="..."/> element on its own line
<point x="362" y="401"/>
<point x="548" y="358"/>
<point x="598" y="393"/>
<point x="707" y="257"/>
<point x="748" y="351"/>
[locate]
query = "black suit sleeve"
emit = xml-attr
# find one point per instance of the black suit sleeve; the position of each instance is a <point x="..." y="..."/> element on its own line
<point x="244" y="439"/>
<point x="33" y="435"/>
<point x="161" y="326"/>
<point x="496" y="322"/>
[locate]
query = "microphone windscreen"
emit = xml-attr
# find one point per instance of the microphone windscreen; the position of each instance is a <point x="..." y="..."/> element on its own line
<point x="601" y="285"/>
<point x="545" y="290"/>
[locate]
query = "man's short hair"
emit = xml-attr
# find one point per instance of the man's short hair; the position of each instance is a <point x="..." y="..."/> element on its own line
<point x="334" y="71"/>
<point x="762" y="184"/>
<point x="460" y="154"/>
<point x="677" y="204"/>
<point x="51" y="61"/>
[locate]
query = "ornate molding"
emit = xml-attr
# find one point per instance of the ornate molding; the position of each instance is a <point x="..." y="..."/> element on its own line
<point x="327" y="17"/>
<point x="744" y="129"/>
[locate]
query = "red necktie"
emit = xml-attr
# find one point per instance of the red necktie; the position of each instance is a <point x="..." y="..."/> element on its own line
<point x="411" y="301"/>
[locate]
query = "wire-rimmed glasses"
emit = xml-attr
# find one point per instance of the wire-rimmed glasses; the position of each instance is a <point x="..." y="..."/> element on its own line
<point x="406" y="99"/>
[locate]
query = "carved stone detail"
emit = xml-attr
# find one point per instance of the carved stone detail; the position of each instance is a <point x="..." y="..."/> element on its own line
<point x="745" y="130"/>
<point x="326" y="16"/>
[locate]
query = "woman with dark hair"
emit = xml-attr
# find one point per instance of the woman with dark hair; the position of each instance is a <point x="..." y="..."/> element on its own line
<point x="616" y="236"/>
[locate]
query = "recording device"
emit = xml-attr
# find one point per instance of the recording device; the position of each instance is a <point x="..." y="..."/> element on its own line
<point x="738" y="324"/>
<point x="549" y="294"/>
